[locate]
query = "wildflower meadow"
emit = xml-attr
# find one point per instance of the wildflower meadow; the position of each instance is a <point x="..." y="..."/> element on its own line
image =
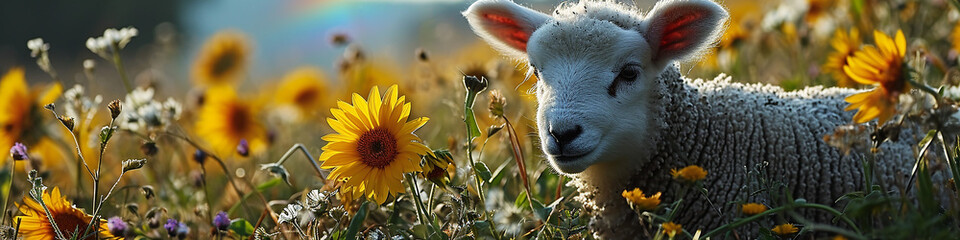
<point x="226" y="137"/>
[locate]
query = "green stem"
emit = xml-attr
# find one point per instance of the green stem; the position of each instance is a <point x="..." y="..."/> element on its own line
<point x="743" y="221"/>
<point x="468" y="111"/>
<point x="120" y="69"/>
<point x="951" y="161"/>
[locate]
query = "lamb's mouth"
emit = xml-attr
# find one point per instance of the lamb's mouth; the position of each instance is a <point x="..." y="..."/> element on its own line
<point x="569" y="158"/>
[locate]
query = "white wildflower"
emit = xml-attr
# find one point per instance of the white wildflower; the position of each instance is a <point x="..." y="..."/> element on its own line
<point x="290" y="213"/>
<point x="112" y="40"/>
<point x="788" y="11"/>
<point x="37" y="46"/>
<point x="172" y="109"/>
<point x="952" y="92"/>
<point x="143" y="111"/>
<point x="89" y="64"/>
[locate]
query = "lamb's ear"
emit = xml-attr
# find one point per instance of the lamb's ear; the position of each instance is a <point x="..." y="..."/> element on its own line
<point x="679" y="29"/>
<point x="504" y="24"/>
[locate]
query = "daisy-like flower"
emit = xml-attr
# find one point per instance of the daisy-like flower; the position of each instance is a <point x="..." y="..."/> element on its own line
<point x="671" y="229"/>
<point x="374" y="145"/>
<point x="638" y="201"/>
<point x="751" y="209"/>
<point x="785" y="229"/>
<point x="303" y="91"/>
<point x="882" y="66"/>
<point x="70" y="220"/>
<point x="690" y="173"/>
<point x="225" y="120"/>
<point x="222" y="60"/>
<point x="844" y="45"/>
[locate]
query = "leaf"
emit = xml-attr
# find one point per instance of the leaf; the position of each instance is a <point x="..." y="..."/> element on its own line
<point x="269" y="184"/>
<point x="482" y="171"/>
<point x="541" y="211"/>
<point x="242" y="227"/>
<point x="499" y="173"/>
<point x="472" y="127"/>
<point x="482" y="230"/>
<point x="521" y="200"/>
<point x="357" y="221"/>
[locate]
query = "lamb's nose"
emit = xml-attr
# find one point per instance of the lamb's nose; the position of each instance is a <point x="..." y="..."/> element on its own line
<point x="565" y="136"/>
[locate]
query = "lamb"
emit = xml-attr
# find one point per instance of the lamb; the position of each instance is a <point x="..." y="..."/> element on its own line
<point x="615" y="113"/>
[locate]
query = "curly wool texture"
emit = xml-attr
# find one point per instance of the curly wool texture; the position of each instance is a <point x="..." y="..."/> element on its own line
<point x="729" y="128"/>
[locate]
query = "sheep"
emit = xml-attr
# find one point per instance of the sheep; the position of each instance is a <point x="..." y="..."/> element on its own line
<point x="615" y="113"/>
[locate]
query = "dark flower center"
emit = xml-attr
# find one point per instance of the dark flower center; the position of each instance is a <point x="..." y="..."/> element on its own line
<point x="239" y="120"/>
<point x="72" y="225"/>
<point x="306" y="96"/>
<point x="377" y="148"/>
<point x="224" y="63"/>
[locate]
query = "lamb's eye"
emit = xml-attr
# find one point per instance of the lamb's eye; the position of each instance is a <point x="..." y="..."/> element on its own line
<point x="628" y="73"/>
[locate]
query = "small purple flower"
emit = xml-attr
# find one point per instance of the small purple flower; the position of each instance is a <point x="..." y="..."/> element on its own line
<point x="221" y="221"/>
<point x="19" y="152"/>
<point x="200" y="156"/>
<point x="182" y="231"/>
<point x="243" y="148"/>
<point x="117" y="226"/>
<point x="171" y="226"/>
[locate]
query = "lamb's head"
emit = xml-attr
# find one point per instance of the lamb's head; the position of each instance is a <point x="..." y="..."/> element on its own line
<point x="597" y="65"/>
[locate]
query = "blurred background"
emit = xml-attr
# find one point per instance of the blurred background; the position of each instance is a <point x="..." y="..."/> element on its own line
<point x="284" y="33"/>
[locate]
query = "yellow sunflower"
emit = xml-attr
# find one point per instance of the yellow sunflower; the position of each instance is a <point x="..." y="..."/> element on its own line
<point x="374" y="145"/>
<point x="35" y="223"/>
<point x="18" y="105"/>
<point x="222" y="60"/>
<point x="882" y="66"/>
<point x="844" y="46"/>
<point x="224" y="120"/>
<point x="304" y="90"/>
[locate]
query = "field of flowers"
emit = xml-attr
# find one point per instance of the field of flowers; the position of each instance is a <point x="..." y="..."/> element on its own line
<point x="445" y="146"/>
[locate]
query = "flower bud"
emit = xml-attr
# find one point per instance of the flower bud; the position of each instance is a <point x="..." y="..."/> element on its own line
<point x="221" y="221"/>
<point x="200" y="156"/>
<point x="149" y="148"/>
<point x="133" y="164"/>
<point x="243" y="148"/>
<point x="67" y="122"/>
<point x="19" y="152"/>
<point x="115" y="108"/>
<point x="474" y="84"/>
<point x="497" y="101"/>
